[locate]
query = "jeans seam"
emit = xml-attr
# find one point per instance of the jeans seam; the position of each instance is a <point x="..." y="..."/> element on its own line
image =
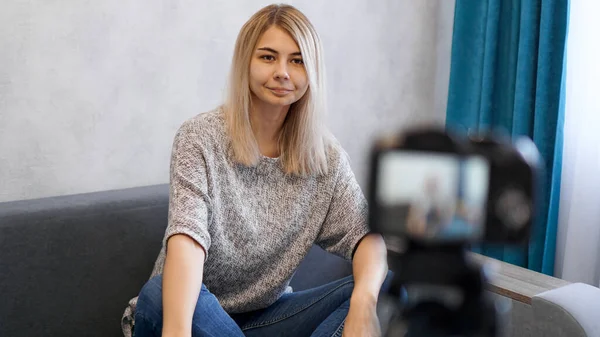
<point x="279" y="319"/>
<point x="147" y="320"/>
<point x="339" y="330"/>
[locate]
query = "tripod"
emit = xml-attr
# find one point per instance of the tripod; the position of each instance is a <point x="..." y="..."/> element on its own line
<point x="438" y="292"/>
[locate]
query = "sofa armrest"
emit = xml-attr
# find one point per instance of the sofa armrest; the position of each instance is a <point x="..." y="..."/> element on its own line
<point x="570" y="311"/>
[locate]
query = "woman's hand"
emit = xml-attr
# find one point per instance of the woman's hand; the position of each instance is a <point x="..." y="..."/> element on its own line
<point x="362" y="320"/>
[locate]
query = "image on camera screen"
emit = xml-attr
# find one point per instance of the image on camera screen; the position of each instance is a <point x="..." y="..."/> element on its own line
<point x="432" y="197"/>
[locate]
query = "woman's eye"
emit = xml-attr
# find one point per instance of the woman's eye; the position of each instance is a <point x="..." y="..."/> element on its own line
<point x="268" y="57"/>
<point x="297" y="61"/>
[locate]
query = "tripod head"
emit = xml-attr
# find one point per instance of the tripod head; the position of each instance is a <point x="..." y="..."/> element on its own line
<point x="432" y="195"/>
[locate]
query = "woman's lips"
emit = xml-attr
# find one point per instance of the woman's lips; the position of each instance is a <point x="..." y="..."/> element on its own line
<point x="280" y="91"/>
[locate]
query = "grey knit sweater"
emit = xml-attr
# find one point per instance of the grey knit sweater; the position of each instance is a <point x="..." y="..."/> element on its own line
<point x="255" y="223"/>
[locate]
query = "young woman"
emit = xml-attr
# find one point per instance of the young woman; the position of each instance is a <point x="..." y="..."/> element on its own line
<point x="254" y="184"/>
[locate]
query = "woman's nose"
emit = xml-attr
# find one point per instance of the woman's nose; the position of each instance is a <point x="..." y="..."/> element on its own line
<point x="281" y="72"/>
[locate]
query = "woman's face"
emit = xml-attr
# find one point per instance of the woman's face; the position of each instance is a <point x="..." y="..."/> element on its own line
<point x="277" y="74"/>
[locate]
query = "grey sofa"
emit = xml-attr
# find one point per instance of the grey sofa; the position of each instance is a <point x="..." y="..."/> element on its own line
<point x="69" y="264"/>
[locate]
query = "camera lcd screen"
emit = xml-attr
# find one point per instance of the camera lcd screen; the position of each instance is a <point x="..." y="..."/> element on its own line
<point x="432" y="196"/>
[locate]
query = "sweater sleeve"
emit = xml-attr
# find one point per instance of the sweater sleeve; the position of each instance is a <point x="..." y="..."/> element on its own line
<point x="346" y="220"/>
<point x="189" y="202"/>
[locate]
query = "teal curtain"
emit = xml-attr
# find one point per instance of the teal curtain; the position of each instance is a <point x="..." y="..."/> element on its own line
<point x="507" y="74"/>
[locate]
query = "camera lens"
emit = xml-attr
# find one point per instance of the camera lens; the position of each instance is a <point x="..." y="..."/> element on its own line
<point x="513" y="208"/>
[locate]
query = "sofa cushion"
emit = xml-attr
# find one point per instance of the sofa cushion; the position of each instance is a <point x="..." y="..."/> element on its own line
<point x="319" y="267"/>
<point x="69" y="264"/>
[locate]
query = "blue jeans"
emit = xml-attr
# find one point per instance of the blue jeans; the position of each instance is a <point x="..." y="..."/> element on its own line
<point x="314" y="312"/>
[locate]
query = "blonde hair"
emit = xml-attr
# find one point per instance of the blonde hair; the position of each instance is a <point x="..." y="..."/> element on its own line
<point x="304" y="139"/>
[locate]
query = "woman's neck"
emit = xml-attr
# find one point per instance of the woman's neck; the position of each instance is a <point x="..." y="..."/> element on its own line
<point x="267" y="122"/>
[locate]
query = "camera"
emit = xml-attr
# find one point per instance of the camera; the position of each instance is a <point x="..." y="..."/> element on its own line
<point x="433" y="193"/>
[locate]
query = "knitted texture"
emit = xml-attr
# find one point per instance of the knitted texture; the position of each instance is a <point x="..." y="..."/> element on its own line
<point x="255" y="223"/>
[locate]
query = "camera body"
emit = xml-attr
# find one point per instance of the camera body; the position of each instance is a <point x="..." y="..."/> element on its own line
<point x="432" y="194"/>
<point x="433" y="186"/>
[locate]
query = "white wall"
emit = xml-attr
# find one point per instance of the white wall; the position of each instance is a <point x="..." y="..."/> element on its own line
<point x="91" y="93"/>
<point x="577" y="246"/>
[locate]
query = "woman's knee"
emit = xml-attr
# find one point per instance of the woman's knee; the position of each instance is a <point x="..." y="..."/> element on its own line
<point x="149" y="303"/>
<point x="343" y="289"/>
